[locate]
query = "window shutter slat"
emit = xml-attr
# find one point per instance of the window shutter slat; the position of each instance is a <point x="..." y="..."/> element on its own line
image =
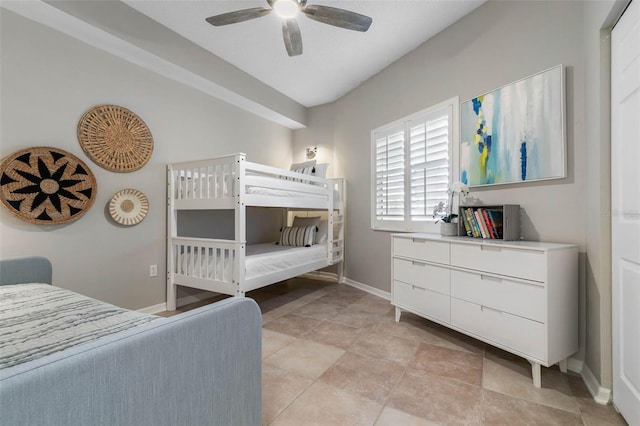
<point x="429" y="157"/>
<point x="389" y="175"/>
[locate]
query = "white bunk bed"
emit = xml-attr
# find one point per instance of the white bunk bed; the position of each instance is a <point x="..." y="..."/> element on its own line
<point x="231" y="266"/>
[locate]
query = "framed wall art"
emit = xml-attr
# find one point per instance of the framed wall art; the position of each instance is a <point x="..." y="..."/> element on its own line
<point x="515" y="133"/>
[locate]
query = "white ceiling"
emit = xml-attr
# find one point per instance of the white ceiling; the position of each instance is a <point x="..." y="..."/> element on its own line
<point x="335" y="60"/>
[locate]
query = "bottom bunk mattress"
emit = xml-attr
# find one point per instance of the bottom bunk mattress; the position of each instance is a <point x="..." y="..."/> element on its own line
<point x="263" y="259"/>
<point x="38" y="319"/>
<point x="260" y="260"/>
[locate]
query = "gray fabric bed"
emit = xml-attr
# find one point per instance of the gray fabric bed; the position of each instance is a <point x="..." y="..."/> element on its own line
<point x="202" y="367"/>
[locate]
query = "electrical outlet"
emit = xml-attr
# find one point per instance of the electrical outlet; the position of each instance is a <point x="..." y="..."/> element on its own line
<point x="153" y="270"/>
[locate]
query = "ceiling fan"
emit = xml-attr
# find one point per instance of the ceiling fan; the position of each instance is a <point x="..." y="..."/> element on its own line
<point x="288" y="9"/>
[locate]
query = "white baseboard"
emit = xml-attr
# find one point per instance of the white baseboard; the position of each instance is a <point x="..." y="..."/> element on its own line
<point x="184" y="300"/>
<point x="600" y="395"/>
<point x="331" y="276"/>
<point x="372" y="290"/>
<point x="152" y="310"/>
<point x="575" y="365"/>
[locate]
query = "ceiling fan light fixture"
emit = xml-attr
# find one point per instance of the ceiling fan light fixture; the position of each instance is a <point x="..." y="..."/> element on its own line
<point x="286" y="8"/>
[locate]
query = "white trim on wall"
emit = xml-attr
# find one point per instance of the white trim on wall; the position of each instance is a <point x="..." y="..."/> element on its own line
<point x="184" y="300"/>
<point x="600" y="394"/>
<point x="330" y="276"/>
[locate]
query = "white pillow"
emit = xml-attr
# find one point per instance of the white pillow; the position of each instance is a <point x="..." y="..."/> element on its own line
<point x="298" y="236"/>
<point x="320" y="170"/>
<point x="305" y="168"/>
<point x="323" y="230"/>
<point x="306" y="221"/>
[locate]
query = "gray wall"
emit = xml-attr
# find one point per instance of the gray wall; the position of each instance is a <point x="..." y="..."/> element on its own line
<point x="498" y="43"/>
<point x="48" y="81"/>
<point x="491" y="47"/>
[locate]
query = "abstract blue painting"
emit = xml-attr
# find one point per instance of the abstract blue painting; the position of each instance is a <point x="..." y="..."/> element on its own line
<point x="515" y="133"/>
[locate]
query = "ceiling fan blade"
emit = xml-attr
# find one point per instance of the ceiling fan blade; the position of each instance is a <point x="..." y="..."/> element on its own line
<point x="238" y="16"/>
<point x="292" y="37"/>
<point x="338" y="17"/>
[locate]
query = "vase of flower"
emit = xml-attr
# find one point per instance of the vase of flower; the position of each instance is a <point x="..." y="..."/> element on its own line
<point x="448" y="221"/>
<point x="449" y="229"/>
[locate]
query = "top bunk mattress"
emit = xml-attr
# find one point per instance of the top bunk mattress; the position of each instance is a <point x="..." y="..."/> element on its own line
<point x="213" y="187"/>
<point x="38" y="319"/>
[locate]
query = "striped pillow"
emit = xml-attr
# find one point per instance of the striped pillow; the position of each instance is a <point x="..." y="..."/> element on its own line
<point x="298" y="236"/>
<point x="306" y="168"/>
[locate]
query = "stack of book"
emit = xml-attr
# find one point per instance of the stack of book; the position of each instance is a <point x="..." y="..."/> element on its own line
<point x="482" y="222"/>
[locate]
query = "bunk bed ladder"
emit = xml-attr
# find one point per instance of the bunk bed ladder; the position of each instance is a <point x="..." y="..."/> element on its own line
<point x="337" y="227"/>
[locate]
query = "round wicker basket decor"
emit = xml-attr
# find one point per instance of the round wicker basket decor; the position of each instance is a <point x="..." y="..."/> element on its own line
<point x="46" y="186"/>
<point x="128" y="207"/>
<point x="115" y="138"/>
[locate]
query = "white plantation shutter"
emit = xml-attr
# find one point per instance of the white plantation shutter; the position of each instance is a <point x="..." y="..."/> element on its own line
<point x="389" y="175"/>
<point x="429" y="162"/>
<point x="411" y="168"/>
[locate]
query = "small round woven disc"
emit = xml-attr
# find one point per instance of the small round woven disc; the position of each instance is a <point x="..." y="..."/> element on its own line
<point x="128" y="207"/>
<point x="115" y="138"/>
<point x="46" y="186"/>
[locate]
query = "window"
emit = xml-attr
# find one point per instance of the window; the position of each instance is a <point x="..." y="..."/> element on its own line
<point x="412" y="168"/>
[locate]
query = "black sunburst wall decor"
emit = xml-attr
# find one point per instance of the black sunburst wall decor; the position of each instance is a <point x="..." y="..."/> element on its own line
<point x="46" y="186"/>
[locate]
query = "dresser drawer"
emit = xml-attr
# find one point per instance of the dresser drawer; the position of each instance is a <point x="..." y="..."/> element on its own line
<point x="523" y="299"/>
<point x="423" y="275"/>
<point x="421" y="301"/>
<point x="519" y="334"/>
<point x="415" y="248"/>
<point x="520" y="263"/>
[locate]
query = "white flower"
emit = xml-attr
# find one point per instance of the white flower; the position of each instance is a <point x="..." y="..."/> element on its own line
<point x="459" y="187"/>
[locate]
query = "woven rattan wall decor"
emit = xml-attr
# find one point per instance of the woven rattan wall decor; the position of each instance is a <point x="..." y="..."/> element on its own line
<point x="128" y="207"/>
<point x="46" y="186"/>
<point x="115" y="138"/>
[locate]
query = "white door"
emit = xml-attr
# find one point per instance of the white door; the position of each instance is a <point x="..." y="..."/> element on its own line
<point x="625" y="203"/>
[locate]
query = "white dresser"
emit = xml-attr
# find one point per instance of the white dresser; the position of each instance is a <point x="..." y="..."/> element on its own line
<point x="520" y="296"/>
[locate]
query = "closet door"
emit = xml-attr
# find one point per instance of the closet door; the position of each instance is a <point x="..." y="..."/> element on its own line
<point x="625" y="221"/>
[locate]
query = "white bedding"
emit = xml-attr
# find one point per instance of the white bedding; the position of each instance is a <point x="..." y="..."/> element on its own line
<point x="267" y="258"/>
<point x="260" y="259"/>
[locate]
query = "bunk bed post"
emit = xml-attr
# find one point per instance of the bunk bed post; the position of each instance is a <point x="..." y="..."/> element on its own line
<point x="339" y="182"/>
<point x="240" y="225"/>
<point x="171" y="233"/>
<point x="330" y="187"/>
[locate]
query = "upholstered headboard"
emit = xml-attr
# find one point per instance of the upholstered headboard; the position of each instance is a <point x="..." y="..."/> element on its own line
<point x="18" y="270"/>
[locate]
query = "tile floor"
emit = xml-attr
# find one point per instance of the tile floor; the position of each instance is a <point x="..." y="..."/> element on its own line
<point x="333" y="355"/>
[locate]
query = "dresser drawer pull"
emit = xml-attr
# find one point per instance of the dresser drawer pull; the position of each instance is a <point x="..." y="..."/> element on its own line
<point x="414" y="263"/>
<point x="489" y="278"/>
<point x="488" y="309"/>
<point x="414" y="287"/>
<point x="490" y="248"/>
<point x="415" y="240"/>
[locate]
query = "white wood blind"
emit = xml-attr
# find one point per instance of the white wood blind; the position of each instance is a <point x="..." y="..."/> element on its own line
<point x="411" y="168"/>
<point x="429" y="164"/>
<point x="389" y="174"/>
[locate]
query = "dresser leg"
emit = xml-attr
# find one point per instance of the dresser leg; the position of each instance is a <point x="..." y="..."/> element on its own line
<point x="563" y="365"/>
<point x="535" y="372"/>
<point x="398" y="312"/>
